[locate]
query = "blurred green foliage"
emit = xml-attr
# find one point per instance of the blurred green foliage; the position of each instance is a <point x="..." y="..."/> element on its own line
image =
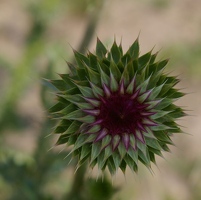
<point x="99" y="190"/>
<point x="187" y="57"/>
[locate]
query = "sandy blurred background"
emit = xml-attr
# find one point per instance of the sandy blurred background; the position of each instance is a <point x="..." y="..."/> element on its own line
<point x="35" y="40"/>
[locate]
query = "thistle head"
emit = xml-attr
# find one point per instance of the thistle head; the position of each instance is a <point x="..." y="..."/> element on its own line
<point x="116" y="108"/>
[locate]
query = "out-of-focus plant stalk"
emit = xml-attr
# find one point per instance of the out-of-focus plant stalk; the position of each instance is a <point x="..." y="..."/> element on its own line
<point x="77" y="185"/>
<point x="22" y="71"/>
<point x="91" y="26"/>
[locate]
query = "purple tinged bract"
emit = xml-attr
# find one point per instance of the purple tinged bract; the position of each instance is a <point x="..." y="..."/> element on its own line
<point x="116" y="108"/>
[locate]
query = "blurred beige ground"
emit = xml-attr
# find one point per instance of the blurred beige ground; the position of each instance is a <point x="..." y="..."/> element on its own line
<point x="166" y="25"/>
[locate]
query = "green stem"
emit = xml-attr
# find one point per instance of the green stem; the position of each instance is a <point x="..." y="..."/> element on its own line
<point x="90" y="29"/>
<point x="78" y="184"/>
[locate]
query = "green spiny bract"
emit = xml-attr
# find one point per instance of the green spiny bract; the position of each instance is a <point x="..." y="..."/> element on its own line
<point x="116" y="109"/>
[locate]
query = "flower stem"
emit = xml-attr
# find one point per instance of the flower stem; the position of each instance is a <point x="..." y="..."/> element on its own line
<point x="77" y="186"/>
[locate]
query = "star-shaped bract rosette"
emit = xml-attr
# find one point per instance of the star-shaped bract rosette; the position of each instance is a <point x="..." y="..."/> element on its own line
<point x="116" y="108"/>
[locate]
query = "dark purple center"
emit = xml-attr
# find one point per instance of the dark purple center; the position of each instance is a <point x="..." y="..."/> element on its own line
<point x="121" y="114"/>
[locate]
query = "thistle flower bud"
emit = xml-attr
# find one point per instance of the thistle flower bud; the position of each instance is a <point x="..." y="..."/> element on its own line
<point x="116" y="108"/>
